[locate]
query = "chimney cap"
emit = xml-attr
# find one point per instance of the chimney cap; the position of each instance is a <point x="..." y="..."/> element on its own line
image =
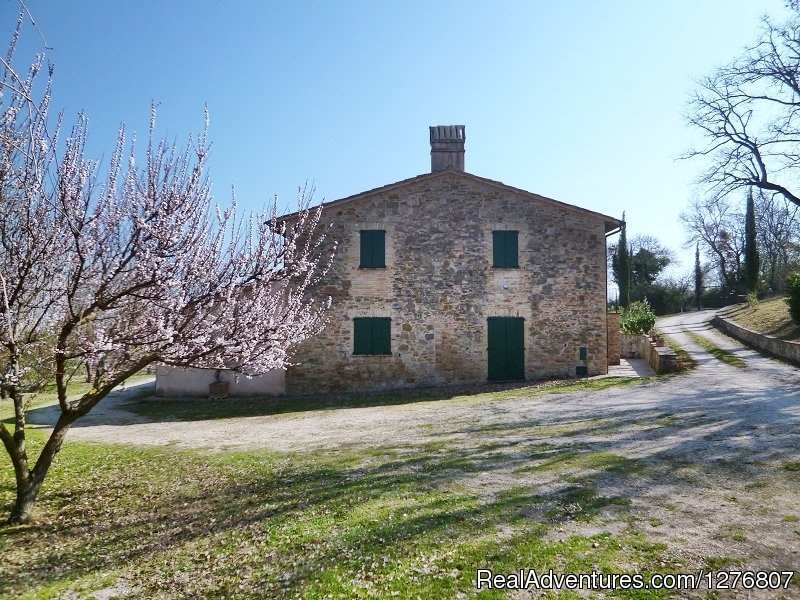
<point x="447" y="147"/>
<point x="448" y="133"/>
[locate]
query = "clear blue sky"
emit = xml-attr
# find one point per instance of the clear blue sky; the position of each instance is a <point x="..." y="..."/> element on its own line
<point x="579" y="101"/>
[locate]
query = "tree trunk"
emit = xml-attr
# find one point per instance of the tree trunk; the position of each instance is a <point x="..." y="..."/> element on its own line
<point x="26" y="499"/>
<point x="28" y="487"/>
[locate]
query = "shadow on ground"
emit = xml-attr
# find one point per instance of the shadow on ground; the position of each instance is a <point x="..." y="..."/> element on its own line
<point x="140" y="405"/>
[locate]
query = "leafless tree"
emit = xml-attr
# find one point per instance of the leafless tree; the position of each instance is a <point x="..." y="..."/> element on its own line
<point x="749" y="113"/>
<point x="718" y="227"/>
<point x="778" y="228"/>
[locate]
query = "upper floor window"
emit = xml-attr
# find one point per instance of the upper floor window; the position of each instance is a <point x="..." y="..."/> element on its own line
<point x="505" y="249"/>
<point x="372" y="335"/>
<point x="373" y="249"/>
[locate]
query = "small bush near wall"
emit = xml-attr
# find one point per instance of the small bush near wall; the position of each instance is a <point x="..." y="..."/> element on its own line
<point x="793" y="290"/>
<point x="639" y="318"/>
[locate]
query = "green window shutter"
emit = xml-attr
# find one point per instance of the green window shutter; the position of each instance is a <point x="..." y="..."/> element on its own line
<point x="373" y="249"/>
<point x="362" y="336"/>
<point x="381" y="336"/>
<point x="372" y="335"/>
<point x="498" y="249"/>
<point x="512" y="249"/>
<point x="505" y="249"/>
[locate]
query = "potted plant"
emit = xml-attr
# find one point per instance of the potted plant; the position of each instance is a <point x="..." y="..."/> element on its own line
<point x="218" y="388"/>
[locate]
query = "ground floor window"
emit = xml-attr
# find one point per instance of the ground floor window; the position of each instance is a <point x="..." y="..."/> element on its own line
<point x="372" y="335"/>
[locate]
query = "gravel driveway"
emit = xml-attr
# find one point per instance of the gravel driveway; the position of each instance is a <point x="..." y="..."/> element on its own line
<point x="753" y="410"/>
<point x="717" y="450"/>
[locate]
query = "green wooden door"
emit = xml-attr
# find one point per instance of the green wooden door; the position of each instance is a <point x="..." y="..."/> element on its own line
<point x="506" y="348"/>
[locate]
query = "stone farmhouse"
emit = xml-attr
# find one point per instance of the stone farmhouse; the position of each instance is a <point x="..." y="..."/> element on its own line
<point x="449" y="277"/>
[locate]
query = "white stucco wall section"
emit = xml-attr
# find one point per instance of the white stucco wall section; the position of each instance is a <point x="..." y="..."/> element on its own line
<point x="179" y="381"/>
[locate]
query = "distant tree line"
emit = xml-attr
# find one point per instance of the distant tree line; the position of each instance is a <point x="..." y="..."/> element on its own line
<point x="637" y="268"/>
<point x="718" y="228"/>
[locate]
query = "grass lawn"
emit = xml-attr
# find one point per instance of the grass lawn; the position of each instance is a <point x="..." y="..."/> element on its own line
<point x="767" y="316"/>
<point x="181" y="524"/>
<point x="385" y="522"/>
<point x="392" y="520"/>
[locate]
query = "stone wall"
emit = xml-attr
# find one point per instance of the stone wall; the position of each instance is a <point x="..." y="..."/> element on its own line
<point x="439" y="286"/>
<point x="633" y="345"/>
<point x="614" y="338"/>
<point x="788" y="351"/>
<point x="661" y="358"/>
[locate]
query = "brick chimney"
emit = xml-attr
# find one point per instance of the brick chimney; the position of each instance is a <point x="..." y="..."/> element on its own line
<point x="447" y="147"/>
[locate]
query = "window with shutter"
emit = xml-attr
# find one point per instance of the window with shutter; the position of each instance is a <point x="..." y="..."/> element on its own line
<point x="373" y="249"/>
<point x="505" y="249"/>
<point x="372" y="335"/>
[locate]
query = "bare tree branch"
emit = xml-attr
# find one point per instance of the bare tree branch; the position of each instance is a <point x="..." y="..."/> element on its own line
<point x="748" y="112"/>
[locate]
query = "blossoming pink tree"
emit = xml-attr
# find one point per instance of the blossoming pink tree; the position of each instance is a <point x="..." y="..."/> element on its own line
<point x="107" y="274"/>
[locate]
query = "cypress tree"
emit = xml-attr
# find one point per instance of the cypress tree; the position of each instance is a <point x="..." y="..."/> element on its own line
<point x="751" y="260"/>
<point x="698" y="279"/>
<point x="621" y="267"/>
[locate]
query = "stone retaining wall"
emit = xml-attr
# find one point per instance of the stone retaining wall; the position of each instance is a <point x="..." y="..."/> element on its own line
<point x="660" y="358"/>
<point x="633" y="345"/>
<point x="788" y="351"/>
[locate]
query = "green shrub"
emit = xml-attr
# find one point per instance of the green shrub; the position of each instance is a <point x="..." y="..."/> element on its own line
<point x="793" y="289"/>
<point x="639" y="318"/>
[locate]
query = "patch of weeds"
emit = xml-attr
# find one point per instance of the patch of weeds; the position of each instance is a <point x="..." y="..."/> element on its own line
<point x="791" y="519"/>
<point x="574" y="428"/>
<point x="718" y="563"/>
<point x="434" y="446"/>
<point x="716" y="351"/>
<point x="756" y="485"/>
<point x="655" y="522"/>
<point x="667" y="420"/>
<point x="568" y="385"/>
<point x="581" y="503"/>
<point x="733" y="532"/>
<point x="685" y="360"/>
<point x="587" y="460"/>
<point x="791" y="466"/>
